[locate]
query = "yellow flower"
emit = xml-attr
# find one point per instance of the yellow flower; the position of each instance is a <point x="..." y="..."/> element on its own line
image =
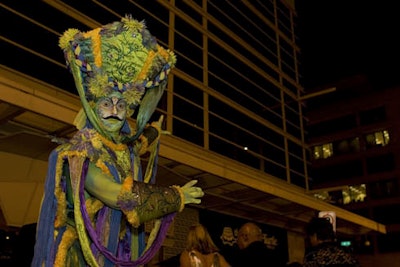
<point x="67" y="37"/>
<point x="96" y="142"/>
<point x="132" y="24"/>
<point x="133" y="96"/>
<point x="99" y="85"/>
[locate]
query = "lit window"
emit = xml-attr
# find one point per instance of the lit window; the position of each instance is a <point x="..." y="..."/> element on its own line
<point x="345" y="195"/>
<point x="380" y="138"/>
<point x="354" y="193"/>
<point x="323" y="151"/>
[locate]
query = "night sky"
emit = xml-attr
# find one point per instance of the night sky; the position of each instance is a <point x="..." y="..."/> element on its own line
<point x="342" y="38"/>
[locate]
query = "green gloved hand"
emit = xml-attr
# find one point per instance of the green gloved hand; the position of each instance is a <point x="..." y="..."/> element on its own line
<point x="191" y="193"/>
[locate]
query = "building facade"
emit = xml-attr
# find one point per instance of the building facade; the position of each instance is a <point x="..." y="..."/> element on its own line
<point x="235" y="95"/>
<point x="354" y="140"/>
<point x="236" y="85"/>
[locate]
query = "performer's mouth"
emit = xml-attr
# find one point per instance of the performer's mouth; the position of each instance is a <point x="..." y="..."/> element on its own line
<point x="113" y="118"/>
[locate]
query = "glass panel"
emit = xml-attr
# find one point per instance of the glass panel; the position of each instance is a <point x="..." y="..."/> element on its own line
<point x="381" y="163"/>
<point x="188" y="132"/>
<point x="187" y="111"/>
<point x="332" y="126"/>
<point x="372" y="116"/>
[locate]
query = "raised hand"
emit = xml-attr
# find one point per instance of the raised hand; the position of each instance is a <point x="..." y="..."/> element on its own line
<point x="192" y="193"/>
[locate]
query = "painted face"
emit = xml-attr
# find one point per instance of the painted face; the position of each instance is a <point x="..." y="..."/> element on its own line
<point x="112" y="112"/>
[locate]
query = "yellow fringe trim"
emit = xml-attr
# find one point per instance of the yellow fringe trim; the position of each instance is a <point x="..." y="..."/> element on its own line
<point x="61" y="214"/>
<point x="131" y="215"/>
<point x="79" y="154"/>
<point x="146" y="66"/>
<point x="101" y="165"/>
<point x="67" y="240"/>
<point x="143" y="145"/>
<point x="133" y="218"/>
<point x="127" y="184"/>
<point x="164" y="53"/>
<point x="180" y="191"/>
<point x="96" y="44"/>
<point x="112" y="145"/>
<point x="97" y="142"/>
<point x="93" y="206"/>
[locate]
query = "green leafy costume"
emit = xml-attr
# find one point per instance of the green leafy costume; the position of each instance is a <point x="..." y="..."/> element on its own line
<point x="83" y="219"/>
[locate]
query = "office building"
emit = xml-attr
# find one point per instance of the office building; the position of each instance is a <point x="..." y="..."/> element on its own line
<point x="354" y="140"/>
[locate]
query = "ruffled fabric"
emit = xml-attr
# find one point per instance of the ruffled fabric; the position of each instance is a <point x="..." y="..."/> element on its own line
<point x="76" y="229"/>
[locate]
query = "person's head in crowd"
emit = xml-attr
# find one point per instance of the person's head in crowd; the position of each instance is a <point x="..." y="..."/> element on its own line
<point x="249" y="233"/>
<point x="324" y="250"/>
<point x="320" y="230"/>
<point x="199" y="239"/>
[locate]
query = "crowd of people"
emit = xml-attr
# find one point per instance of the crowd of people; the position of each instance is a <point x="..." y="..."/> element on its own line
<point x="201" y="250"/>
<point x="251" y="250"/>
<point x="322" y="249"/>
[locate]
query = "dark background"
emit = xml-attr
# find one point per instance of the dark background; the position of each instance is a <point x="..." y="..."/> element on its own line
<point x="341" y="38"/>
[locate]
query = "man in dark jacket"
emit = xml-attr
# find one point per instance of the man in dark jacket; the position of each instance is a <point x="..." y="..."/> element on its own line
<point x="252" y="249"/>
<point x="324" y="251"/>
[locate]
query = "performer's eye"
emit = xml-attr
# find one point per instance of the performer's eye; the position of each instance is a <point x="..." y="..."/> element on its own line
<point x="106" y="103"/>
<point x="121" y="105"/>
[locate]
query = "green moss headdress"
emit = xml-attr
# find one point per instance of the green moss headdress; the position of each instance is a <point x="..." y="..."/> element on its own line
<point x="121" y="56"/>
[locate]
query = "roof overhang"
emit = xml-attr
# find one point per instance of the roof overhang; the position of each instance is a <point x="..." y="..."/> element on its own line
<point x="33" y="112"/>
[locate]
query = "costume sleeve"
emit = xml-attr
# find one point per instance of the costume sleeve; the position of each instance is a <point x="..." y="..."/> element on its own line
<point x="142" y="202"/>
<point x="139" y="201"/>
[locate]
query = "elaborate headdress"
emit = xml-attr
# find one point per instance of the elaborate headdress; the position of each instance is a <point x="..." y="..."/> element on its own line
<point x="121" y="56"/>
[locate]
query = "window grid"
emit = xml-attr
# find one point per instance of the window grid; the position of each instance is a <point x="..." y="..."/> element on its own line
<point x="252" y="53"/>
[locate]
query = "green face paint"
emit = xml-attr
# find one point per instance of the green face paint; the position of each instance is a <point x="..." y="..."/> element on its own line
<point x="111" y="111"/>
